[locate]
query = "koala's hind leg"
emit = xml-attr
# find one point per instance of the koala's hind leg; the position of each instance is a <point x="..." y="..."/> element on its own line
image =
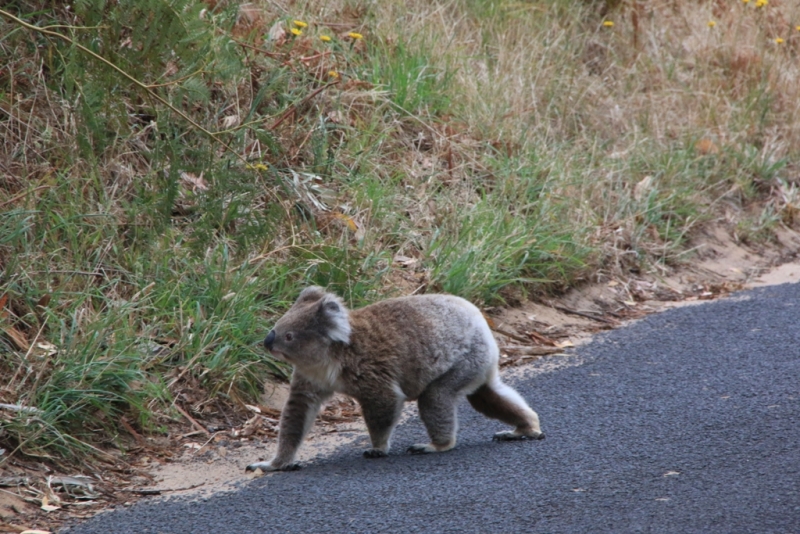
<point x="437" y="409"/>
<point x="381" y="417"/>
<point x="498" y="401"/>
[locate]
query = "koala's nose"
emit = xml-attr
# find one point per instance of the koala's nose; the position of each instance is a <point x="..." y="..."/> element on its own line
<point x="270" y="340"/>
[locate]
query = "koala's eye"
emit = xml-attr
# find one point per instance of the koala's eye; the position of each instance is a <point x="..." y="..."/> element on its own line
<point x="289" y="336"/>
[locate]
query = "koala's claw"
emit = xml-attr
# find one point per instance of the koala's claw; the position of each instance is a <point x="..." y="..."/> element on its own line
<point x="291" y="467"/>
<point x="267" y="467"/>
<point x="374" y="453"/>
<point x="512" y="436"/>
<point x="419" y="449"/>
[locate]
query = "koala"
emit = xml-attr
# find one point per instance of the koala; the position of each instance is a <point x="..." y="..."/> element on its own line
<point x="433" y="349"/>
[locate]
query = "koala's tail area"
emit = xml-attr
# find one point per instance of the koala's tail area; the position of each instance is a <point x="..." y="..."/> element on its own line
<point x="496" y="400"/>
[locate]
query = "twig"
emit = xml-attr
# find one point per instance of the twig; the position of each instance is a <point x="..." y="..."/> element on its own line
<point x="293" y="107"/>
<point x="160" y="491"/>
<point x="531" y="351"/>
<point x="274" y="55"/>
<point x="512" y="336"/>
<point x="22" y="195"/>
<point x="582" y="314"/>
<point x="191" y="419"/>
<point x="315" y="56"/>
<point x="132" y="432"/>
<point x="191" y="434"/>
<point x="211" y="436"/>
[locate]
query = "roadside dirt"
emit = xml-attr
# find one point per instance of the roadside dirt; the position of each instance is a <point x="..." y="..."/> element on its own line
<point x="198" y="462"/>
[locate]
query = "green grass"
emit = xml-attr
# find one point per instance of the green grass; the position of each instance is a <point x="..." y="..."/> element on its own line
<point x="150" y="234"/>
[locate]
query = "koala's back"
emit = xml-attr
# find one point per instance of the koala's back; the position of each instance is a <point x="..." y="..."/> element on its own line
<point x="412" y="341"/>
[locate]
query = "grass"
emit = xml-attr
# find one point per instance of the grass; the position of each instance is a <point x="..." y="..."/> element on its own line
<point x="151" y="231"/>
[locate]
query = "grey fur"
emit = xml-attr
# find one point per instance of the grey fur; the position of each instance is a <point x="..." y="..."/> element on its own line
<point x="431" y="348"/>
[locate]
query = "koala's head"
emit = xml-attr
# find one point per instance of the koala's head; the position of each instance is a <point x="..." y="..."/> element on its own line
<point x="304" y="334"/>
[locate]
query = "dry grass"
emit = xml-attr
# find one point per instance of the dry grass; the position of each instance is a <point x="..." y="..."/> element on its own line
<point x="484" y="149"/>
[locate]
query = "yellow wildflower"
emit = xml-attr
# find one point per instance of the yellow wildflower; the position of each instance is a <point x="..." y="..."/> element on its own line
<point x="761" y="3"/>
<point x="324" y="38"/>
<point x="300" y="23"/>
<point x="745" y="1"/>
<point x="608" y="24"/>
<point x="355" y="35"/>
<point x="333" y="74"/>
<point x="258" y="167"/>
<point x="797" y="28"/>
<point x="778" y="40"/>
<point x="295" y="31"/>
<point x="712" y="23"/>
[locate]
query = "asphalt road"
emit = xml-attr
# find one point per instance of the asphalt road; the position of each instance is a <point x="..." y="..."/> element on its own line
<point x="688" y="421"/>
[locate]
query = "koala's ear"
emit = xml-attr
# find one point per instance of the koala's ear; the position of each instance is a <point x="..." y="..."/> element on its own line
<point x="334" y="317"/>
<point x="311" y="294"/>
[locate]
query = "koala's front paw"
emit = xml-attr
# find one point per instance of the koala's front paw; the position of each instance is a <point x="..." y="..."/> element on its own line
<point x="375" y="453"/>
<point x="512" y="435"/>
<point x="270" y="466"/>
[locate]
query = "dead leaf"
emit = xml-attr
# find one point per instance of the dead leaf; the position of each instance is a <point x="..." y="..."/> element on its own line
<point x="253" y="408"/>
<point x="17" y="337"/>
<point x="357" y="84"/>
<point x="348" y="221"/>
<point x="231" y="121"/>
<point x="258" y="473"/>
<point x="78" y="485"/>
<point x="404" y="261"/>
<point x="643" y="188"/>
<point x="276" y="32"/>
<point x="47" y="507"/>
<point x="48" y="348"/>
<point x="706" y="146"/>
<point x="194" y="182"/>
<point x="336" y="117"/>
<point x="250" y="427"/>
<point x="542" y="340"/>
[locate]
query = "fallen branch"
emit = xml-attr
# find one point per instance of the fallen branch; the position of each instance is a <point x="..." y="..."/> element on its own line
<point x="530" y="350"/>
<point x="583" y="314"/>
<point x="191" y="419"/>
<point x="154" y="491"/>
<point x="127" y="426"/>
<point x="511" y="335"/>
